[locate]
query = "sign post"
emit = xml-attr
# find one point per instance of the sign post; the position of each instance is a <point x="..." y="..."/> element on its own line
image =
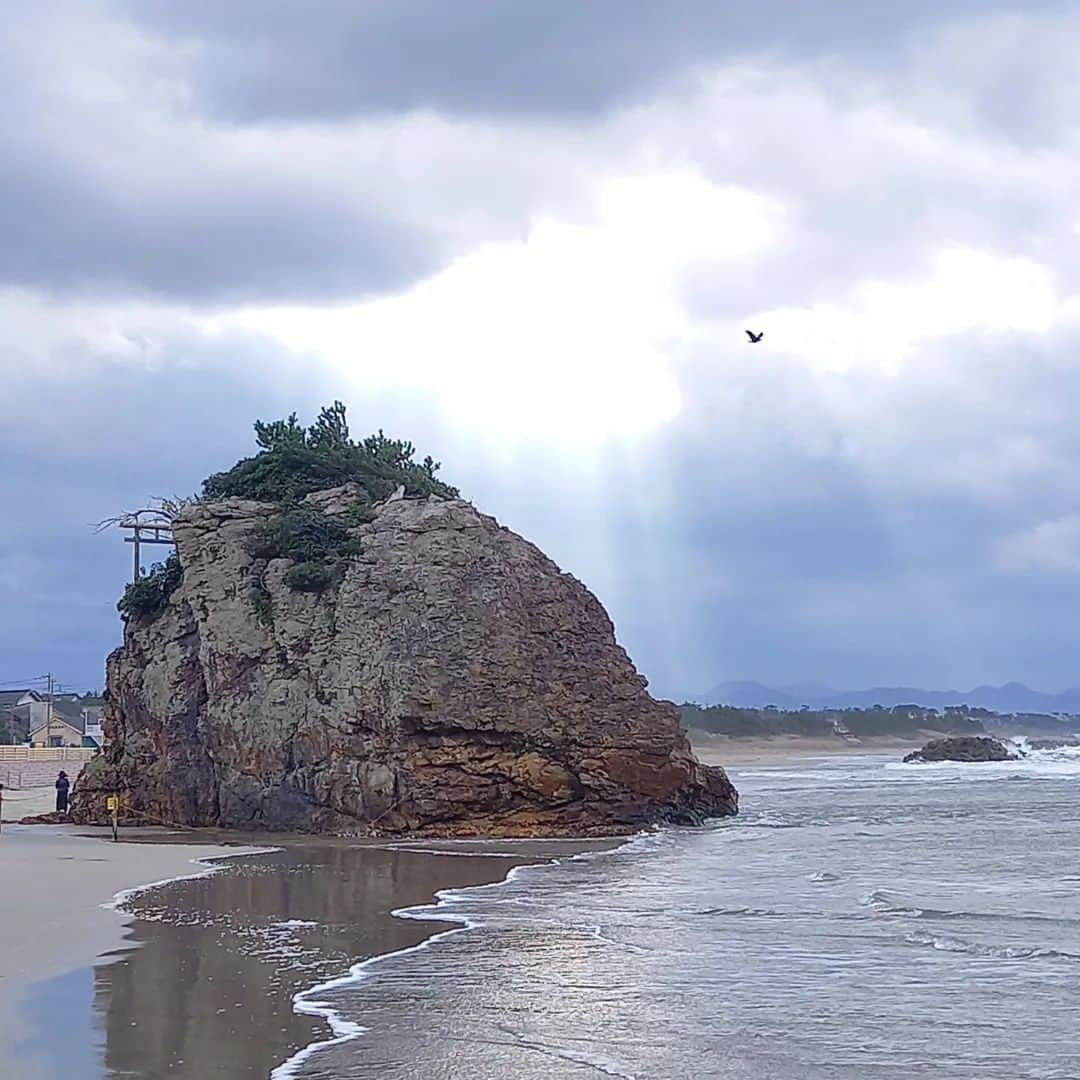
<point x="112" y="803"/>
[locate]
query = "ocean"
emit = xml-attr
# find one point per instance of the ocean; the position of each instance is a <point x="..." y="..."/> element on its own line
<point x="861" y="919"/>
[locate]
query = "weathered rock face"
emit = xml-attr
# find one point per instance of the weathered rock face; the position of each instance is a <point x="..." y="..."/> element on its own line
<point x="967" y="748"/>
<point x="454" y="682"/>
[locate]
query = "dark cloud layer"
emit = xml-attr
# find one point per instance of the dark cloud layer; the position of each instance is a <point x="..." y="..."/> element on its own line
<point x="112" y="185"/>
<point x="911" y="517"/>
<point x="261" y="60"/>
<point x="252" y="239"/>
<point x="119" y="438"/>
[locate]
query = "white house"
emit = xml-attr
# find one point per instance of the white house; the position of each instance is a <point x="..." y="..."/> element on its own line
<point x="19" y="709"/>
<point x="65" y="722"/>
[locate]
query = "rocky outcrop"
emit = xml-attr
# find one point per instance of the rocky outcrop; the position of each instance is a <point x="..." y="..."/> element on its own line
<point x="450" y="681"/>
<point x="966" y="748"/>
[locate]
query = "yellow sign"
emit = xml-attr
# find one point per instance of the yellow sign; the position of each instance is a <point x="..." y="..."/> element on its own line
<point x="112" y="803"/>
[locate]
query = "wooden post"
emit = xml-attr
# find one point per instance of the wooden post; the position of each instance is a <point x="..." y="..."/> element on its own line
<point x="146" y="526"/>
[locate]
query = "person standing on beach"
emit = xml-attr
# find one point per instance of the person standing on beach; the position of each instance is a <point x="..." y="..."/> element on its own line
<point x="62" y="785"/>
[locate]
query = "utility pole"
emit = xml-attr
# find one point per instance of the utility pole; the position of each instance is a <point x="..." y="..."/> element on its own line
<point x="49" y="710"/>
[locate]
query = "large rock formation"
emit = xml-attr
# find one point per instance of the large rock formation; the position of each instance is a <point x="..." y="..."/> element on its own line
<point x="452" y="681"/>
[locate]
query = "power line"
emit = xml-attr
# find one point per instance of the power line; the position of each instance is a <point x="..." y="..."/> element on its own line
<point x="26" y="681"/>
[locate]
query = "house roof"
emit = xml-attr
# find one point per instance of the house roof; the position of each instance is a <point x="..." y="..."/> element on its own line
<point x="10" y="698"/>
<point x="58" y="721"/>
<point x="71" y="712"/>
<point x="67" y="721"/>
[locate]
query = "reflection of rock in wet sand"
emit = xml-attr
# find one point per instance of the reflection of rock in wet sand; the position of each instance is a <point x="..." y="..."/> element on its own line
<point x="209" y="993"/>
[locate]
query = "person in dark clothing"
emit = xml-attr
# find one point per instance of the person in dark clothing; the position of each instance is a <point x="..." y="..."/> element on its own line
<point x="62" y="785"/>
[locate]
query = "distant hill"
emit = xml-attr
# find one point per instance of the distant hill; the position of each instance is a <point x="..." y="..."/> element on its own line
<point x="751" y="695"/>
<point x="1012" y="697"/>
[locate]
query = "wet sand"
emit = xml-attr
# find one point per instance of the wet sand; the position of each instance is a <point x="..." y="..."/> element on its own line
<point x="204" y="985"/>
<point x="53" y="885"/>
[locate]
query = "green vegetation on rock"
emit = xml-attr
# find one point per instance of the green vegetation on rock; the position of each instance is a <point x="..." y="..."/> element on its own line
<point x="147" y="597"/>
<point x="318" y="545"/>
<point x="262" y="604"/>
<point x="294" y="461"/>
<point x="303" y="534"/>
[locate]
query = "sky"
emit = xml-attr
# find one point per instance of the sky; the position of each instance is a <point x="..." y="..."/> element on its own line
<point x="529" y="237"/>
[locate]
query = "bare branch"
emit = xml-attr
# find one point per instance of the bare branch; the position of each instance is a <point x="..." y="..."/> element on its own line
<point x="160" y="514"/>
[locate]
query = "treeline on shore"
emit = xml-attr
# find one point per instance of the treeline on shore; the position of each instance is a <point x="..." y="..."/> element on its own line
<point x="901" y="720"/>
<point x="824" y="723"/>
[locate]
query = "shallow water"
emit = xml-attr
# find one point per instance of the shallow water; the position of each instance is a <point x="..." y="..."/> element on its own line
<point x="859" y="920"/>
<point x="208" y="990"/>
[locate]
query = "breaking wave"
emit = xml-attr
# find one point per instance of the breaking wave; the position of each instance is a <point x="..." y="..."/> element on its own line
<point x="948" y="943"/>
<point x="717" y="951"/>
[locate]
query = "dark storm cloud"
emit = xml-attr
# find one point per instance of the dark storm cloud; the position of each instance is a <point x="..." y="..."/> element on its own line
<point x="275" y="59"/>
<point x="133" y="167"/>
<point x="109" y="184"/>
<point x="253" y="238"/>
<point x="791" y="555"/>
<point x="794" y="522"/>
<point x="112" y="439"/>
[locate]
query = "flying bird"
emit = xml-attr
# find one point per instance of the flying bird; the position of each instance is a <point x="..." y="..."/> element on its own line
<point x="754" y="338"/>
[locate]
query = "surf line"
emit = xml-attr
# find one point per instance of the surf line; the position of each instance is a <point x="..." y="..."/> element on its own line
<point x="207" y="867"/>
<point x="310" y="1002"/>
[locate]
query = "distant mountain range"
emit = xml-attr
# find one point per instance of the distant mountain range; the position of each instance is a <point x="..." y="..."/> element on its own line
<point x="1012" y="697"/>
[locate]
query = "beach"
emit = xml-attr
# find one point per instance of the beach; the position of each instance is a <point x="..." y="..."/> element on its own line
<point x="23" y="802"/>
<point x="172" y="979"/>
<point x="56" y="887"/>
<point x="859" y="917"/>
<point x="779" y="749"/>
<point x="109" y="974"/>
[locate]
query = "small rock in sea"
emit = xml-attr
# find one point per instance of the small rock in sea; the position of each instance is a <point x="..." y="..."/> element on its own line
<point x="963" y="748"/>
